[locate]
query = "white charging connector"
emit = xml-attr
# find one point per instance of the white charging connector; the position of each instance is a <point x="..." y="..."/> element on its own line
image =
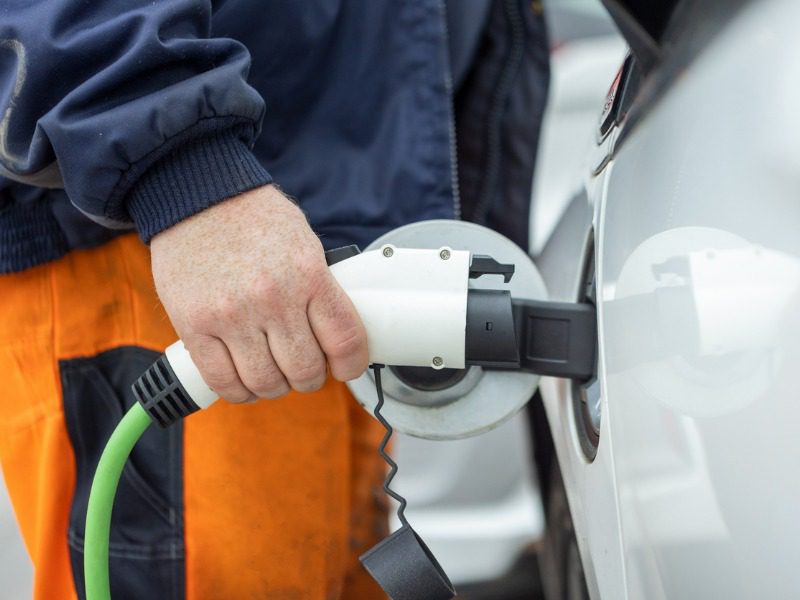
<point x="413" y="304"/>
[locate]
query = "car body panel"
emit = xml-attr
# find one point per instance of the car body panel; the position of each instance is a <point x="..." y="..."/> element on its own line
<point x="704" y="422"/>
<point x="692" y="492"/>
<point x="588" y="484"/>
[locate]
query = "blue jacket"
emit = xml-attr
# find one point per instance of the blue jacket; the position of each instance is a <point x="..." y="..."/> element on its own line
<point x="138" y="114"/>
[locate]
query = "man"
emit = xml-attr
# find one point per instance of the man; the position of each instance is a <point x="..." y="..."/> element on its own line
<point x="175" y="119"/>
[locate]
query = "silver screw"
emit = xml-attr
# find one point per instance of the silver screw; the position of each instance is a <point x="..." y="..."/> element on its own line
<point x="444" y="254"/>
<point x="437" y="361"/>
<point x="387" y="252"/>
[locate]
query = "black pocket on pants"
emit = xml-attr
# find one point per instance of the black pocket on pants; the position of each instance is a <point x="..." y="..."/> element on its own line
<point x="146" y="548"/>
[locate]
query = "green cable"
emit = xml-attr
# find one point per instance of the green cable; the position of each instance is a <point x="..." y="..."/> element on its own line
<point x="101" y="501"/>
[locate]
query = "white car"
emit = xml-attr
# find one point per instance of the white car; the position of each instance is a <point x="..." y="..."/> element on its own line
<point x="679" y="459"/>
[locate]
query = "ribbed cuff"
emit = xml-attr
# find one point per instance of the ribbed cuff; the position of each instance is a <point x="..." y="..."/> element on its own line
<point x="29" y="235"/>
<point x="193" y="177"/>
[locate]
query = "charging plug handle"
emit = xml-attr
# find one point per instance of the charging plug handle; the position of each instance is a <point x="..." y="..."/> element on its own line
<point x="161" y="389"/>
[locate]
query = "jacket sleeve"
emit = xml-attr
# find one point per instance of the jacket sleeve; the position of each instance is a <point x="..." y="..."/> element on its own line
<point x="131" y="106"/>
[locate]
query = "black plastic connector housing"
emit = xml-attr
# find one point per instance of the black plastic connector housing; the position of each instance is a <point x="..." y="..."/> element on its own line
<point x="558" y="339"/>
<point x="547" y="338"/>
<point x="161" y="394"/>
<point x="336" y="255"/>
<point x="491" y="339"/>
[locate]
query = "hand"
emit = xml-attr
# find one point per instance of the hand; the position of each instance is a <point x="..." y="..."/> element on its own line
<point x="246" y="286"/>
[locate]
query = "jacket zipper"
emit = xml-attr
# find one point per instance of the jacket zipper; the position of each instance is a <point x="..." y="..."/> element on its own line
<point x="507" y="75"/>
<point x="448" y="84"/>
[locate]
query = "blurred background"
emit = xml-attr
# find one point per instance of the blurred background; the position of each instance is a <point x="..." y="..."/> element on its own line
<point x="476" y="502"/>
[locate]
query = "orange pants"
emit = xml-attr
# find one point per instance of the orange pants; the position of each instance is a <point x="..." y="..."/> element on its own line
<point x="269" y="500"/>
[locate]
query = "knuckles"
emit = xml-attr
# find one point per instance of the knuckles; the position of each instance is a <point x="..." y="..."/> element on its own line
<point x="312" y="271"/>
<point x="225" y="309"/>
<point x="308" y="379"/>
<point x="276" y="392"/>
<point x="226" y="312"/>
<point x="270" y="383"/>
<point x="349" y="344"/>
<point x="199" y="318"/>
<point x="239" y="398"/>
<point x="275" y="291"/>
<point x="265" y="289"/>
<point x="221" y="381"/>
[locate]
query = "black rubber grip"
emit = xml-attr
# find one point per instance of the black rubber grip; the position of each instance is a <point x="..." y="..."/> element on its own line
<point x="161" y="394"/>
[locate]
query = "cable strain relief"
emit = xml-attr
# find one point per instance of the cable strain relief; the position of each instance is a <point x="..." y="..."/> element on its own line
<point x="162" y="395"/>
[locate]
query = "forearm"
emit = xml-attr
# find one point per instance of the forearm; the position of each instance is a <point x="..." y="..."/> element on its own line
<point x="99" y="97"/>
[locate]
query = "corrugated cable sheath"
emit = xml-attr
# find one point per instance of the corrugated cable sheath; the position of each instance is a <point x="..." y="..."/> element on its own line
<point x="101" y="500"/>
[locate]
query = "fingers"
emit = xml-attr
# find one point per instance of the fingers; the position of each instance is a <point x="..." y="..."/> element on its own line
<point x="251" y="364"/>
<point x="255" y="365"/>
<point x="269" y="352"/>
<point x="212" y="359"/>
<point x="297" y="352"/>
<point x="339" y="331"/>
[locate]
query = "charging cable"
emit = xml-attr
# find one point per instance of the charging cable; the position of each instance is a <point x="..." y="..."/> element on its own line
<point x="101" y="500"/>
